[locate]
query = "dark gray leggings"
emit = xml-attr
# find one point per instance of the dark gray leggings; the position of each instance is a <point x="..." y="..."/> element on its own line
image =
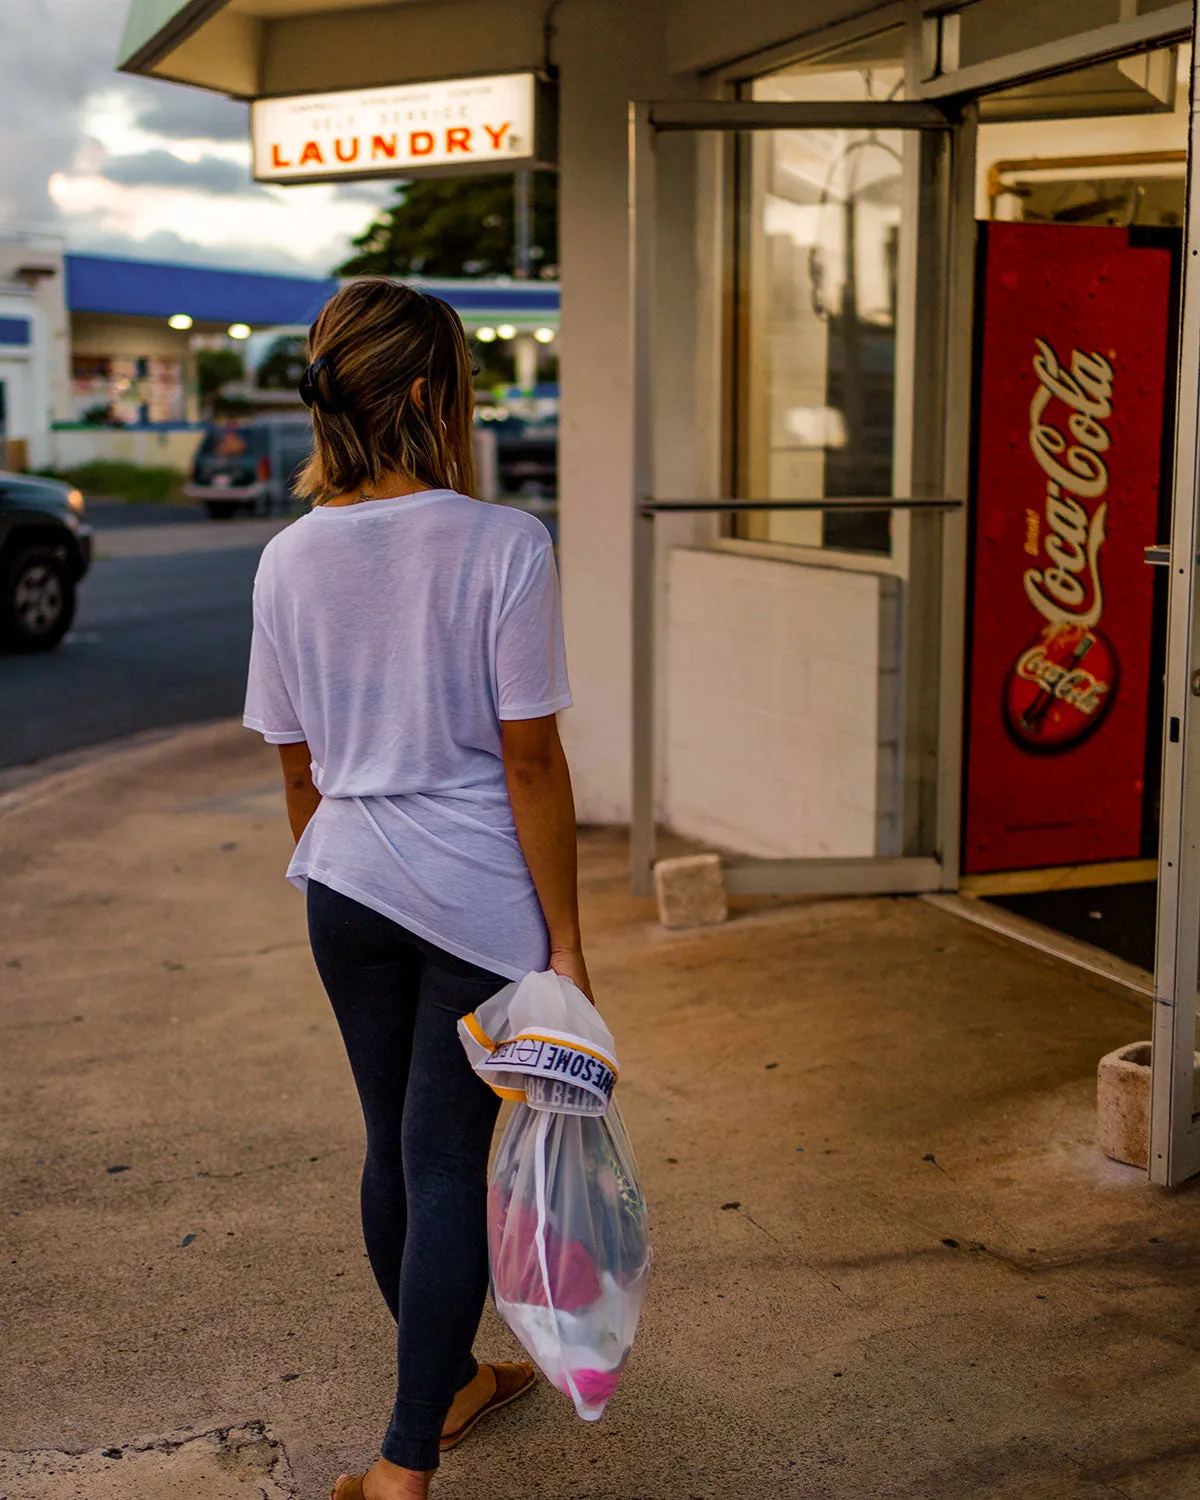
<point x="429" y="1125"/>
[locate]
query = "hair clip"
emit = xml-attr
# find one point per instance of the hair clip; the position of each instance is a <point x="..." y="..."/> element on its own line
<point x="310" y="389"/>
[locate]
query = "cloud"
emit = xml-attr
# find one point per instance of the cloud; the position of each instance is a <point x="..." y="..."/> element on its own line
<point x="179" y="113"/>
<point x="166" y="245"/>
<point x="136" y="166"/>
<point x="160" y="168"/>
<point x="309" y="226"/>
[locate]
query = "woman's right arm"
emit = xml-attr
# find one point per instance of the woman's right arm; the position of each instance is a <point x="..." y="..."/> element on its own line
<point x="299" y="791"/>
<point x="539" y="788"/>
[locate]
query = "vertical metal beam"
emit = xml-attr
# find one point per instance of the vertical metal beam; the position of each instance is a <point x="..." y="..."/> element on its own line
<point x="957" y="475"/>
<point x="642" y="215"/>
<point x="920" y="456"/>
<point x="522" y="224"/>
<point x="1174" y="1140"/>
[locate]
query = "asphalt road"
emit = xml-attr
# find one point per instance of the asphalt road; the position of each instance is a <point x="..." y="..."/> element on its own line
<point x="159" y="639"/>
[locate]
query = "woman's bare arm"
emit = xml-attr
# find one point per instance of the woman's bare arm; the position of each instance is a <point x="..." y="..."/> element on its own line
<point x="539" y="788"/>
<point x="299" y="792"/>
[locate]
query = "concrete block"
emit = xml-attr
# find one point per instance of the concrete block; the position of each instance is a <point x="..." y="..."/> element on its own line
<point x="691" y="891"/>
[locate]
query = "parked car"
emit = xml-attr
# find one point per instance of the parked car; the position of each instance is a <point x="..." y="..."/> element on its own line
<point x="249" y="465"/>
<point x="45" y="549"/>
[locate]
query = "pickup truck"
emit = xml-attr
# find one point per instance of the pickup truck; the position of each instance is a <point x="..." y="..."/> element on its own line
<point x="45" y="549"/>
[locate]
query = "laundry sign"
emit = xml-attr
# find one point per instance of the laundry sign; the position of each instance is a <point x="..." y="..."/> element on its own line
<point x="466" y="125"/>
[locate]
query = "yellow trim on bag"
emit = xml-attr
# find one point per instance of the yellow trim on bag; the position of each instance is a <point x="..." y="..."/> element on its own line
<point x="557" y="1041"/>
<point x="478" y="1033"/>
<point x="507" y="1093"/>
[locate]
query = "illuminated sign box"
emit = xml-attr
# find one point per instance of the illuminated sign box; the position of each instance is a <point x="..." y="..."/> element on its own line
<point x="464" y="125"/>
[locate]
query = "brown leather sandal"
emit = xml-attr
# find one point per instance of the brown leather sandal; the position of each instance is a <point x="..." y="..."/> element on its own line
<point x="512" y="1380"/>
<point x="349" y="1489"/>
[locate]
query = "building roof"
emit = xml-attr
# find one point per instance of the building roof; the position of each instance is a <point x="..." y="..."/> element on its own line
<point x="157" y="289"/>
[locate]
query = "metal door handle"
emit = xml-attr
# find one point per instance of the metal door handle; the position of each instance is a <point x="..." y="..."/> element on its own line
<point x="1159" y="556"/>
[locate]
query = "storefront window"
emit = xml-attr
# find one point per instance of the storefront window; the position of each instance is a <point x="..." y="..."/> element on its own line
<point x="1093" y="168"/>
<point x="820" y="248"/>
<point x="871" y="68"/>
<point x="982" y="30"/>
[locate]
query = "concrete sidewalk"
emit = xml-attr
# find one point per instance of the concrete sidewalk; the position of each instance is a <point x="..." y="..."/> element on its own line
<point x="170" y="541"/>
<point x="890" y="1261"/>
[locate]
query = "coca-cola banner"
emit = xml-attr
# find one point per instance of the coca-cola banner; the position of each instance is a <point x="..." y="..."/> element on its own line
<point x="1068" y="464"/>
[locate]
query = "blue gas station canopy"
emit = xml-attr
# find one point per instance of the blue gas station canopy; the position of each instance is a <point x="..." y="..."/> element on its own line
<point x="157" y="289"/>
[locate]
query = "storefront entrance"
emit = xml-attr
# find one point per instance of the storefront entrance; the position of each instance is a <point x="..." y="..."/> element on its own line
<point x="961" y="442"/>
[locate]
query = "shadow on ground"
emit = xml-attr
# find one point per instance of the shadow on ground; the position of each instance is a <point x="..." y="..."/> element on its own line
<point x="890" y="1261"/>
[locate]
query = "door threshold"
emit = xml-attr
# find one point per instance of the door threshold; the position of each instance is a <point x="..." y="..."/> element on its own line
<point x="1059" y="878"/>
<point x="1033" y="935"/>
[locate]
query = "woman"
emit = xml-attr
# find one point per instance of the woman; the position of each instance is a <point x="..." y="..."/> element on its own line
<point x="408" y="662"/>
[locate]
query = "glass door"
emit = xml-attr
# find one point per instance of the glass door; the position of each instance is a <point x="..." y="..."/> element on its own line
<point x="855" y="262"/>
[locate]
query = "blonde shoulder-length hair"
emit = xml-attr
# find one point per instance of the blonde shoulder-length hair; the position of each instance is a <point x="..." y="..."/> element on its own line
<point x="371" y="343"/>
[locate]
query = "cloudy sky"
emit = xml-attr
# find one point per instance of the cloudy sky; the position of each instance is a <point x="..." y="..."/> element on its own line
<point x="126" y="166"/>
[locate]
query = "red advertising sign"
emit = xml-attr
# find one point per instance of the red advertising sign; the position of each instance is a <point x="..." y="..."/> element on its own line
<point x="1072" y="394"/>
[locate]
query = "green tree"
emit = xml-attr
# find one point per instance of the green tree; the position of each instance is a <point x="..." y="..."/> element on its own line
<point x="216" y="368"/>
<point x="283" y="364"/>
<point x="457" y="226"/>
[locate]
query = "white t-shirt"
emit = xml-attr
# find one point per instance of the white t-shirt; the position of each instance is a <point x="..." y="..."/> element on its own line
<point x="394" y="636"/>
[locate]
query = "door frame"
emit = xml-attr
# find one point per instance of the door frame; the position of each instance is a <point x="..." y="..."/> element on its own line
<point x="1174" y="1148"/>
<point x="1174" y="1124"/>
<point x="1174" y="1153"/>
<point x="939" y="295"/>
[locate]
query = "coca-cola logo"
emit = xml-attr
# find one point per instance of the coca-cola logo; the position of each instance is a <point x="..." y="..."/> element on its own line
<point x="1063" y="684"/>
<point x="1061" y="687"/>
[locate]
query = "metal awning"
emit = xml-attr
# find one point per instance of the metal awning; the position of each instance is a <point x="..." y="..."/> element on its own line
<point x="261" y="48"/>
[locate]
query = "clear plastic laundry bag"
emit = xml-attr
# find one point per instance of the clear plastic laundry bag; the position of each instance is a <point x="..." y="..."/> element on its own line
<point x="568" y="1232"/>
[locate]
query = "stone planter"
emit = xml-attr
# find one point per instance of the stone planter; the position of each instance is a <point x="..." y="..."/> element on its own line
<point x="1123" y="1103"/>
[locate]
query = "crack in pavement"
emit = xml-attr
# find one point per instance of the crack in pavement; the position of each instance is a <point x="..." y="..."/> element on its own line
<point x="237" y="1462"/>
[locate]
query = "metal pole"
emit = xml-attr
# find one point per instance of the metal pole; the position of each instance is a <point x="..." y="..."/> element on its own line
<point x="956" y="470"/>
<point x="1174" y="1141"/>
<point x="642" y="213"/>
<point x="523" y="224"/>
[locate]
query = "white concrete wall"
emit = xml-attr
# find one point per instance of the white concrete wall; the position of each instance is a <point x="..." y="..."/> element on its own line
<point x="127" y="338"/>
<point x="772" y="705"/>
<point x="603" y="65"/>
<point x="26" y="372"/>
<point x="72" y="446"/>
<point x="33" y="265"/>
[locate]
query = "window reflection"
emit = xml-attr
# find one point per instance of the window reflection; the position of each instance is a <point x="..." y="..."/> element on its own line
<point x="822" y="250"/>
